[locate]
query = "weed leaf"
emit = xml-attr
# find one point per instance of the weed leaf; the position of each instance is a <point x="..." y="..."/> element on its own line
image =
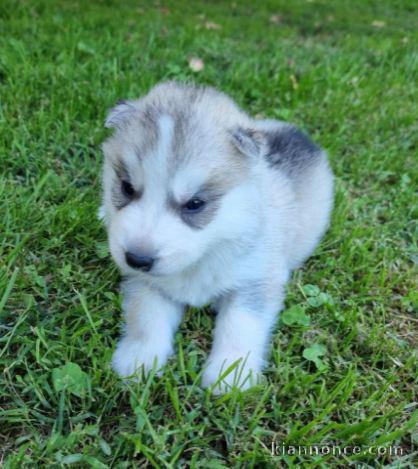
<point x="313" y="354"/>
<point x="72" y="378"/>
<point x="296" y="315"/>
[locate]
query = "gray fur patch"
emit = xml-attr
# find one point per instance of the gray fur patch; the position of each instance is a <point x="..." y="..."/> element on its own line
<point x="148" y="123"/>
<point x="120" y="169"/>
<point x="291" y="150"/>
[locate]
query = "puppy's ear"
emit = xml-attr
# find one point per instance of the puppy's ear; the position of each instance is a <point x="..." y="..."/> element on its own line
<point x="120" y="114"/>
<point x="249" y="142"/>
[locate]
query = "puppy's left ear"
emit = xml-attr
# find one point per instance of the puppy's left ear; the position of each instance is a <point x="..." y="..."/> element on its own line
<point x="120" y="114"/>
<point x="249" y="142"/>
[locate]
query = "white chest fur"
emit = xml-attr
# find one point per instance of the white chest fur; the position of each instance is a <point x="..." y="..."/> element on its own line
<point x="224" y="269"/>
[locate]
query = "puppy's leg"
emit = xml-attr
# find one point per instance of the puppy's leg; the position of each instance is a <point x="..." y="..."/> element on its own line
<point x="150" y="323"/>
<point x="242" y="332"/>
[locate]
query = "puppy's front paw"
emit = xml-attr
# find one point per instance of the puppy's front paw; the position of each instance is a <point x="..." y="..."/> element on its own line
<point x="134" y="356"/>
<point x="228" y="372"/>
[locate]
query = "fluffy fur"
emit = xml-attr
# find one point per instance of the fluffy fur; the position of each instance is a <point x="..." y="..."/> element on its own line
<point x="267" y="194"/>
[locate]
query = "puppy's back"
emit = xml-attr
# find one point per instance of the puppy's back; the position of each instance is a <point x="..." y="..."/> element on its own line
<point x="294" y="154"/>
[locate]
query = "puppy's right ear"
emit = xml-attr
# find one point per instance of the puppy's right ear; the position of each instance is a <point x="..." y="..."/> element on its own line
<point x="249" y="142"/>
<point x="120" y="114"/>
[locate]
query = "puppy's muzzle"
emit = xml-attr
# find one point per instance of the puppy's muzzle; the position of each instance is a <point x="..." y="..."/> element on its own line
<point x="139" y="261"/>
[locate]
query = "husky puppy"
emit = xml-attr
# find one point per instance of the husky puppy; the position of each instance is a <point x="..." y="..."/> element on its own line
<point x="204" y="204"/>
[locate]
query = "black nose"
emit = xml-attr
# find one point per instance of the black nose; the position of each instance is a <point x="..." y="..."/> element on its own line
<point x="137" y="261"/>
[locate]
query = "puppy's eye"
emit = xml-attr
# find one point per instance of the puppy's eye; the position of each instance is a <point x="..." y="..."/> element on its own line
<point x="194" y="205"/>
<point x="127" y="189"/>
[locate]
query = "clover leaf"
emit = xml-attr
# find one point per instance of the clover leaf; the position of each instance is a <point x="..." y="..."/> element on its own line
<point x="313" y="354"/>
<point x="296" y="315"/>
<point x="72" y="378"/>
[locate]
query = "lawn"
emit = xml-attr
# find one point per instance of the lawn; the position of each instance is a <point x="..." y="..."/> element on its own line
<point x="343" y="366"/>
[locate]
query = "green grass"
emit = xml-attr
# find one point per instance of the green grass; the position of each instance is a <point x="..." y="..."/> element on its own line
<point x="326" y="67"/>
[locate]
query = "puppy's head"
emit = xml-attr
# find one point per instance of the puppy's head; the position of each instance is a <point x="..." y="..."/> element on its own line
<point x="178" y="178"/>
